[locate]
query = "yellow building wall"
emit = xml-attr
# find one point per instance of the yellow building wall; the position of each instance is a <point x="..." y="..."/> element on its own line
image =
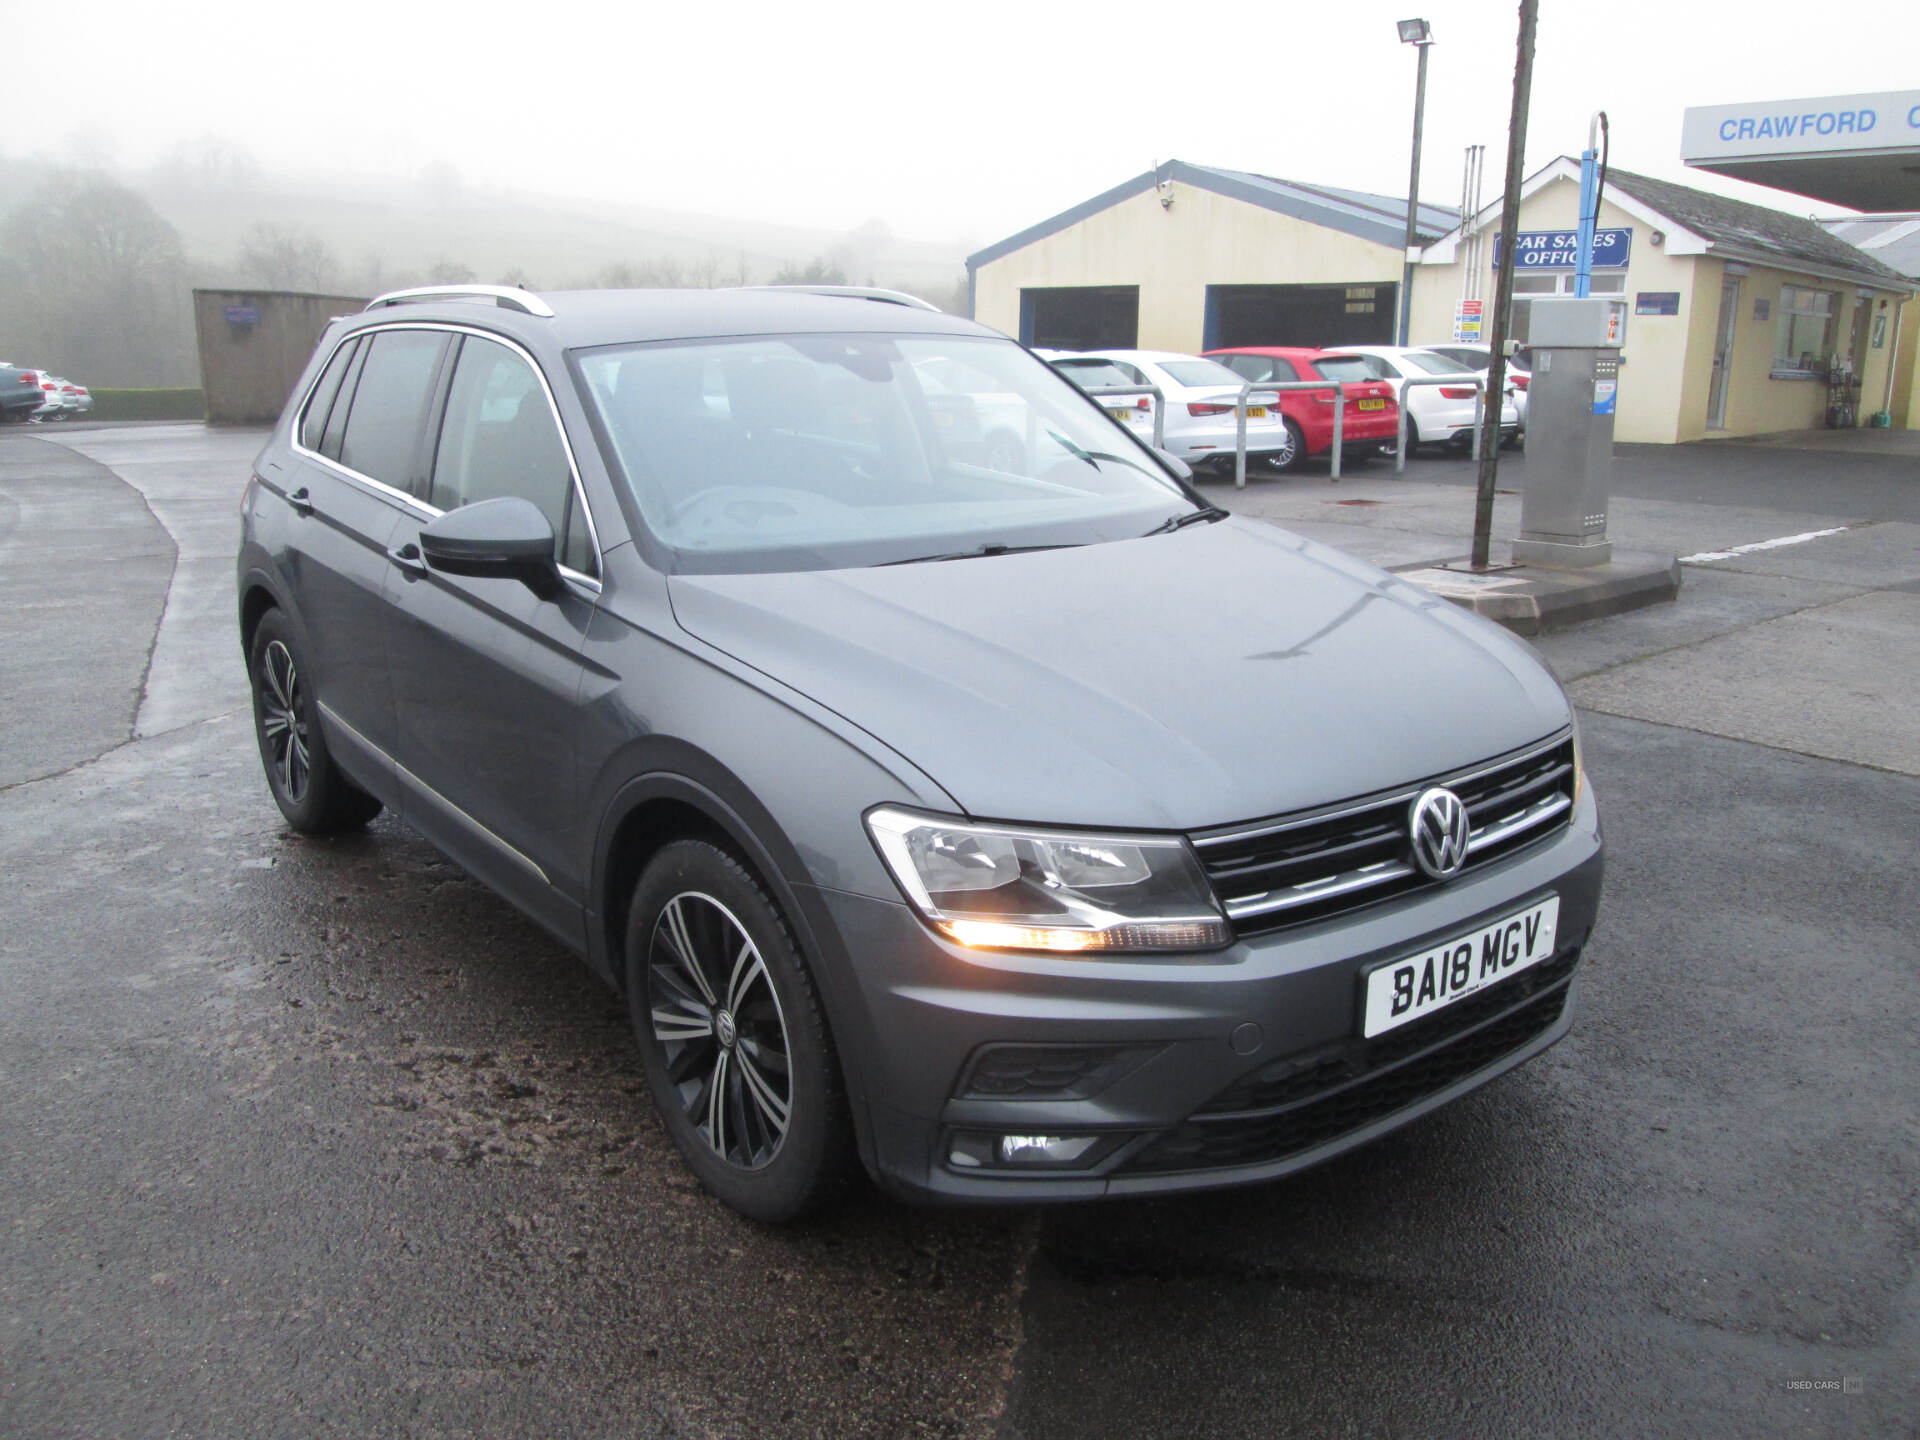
<point x="1667" y="369"/>
<point x="1173" y="254"/>
<point x="1661" y="375"/>
<point x="1905" y="405"/>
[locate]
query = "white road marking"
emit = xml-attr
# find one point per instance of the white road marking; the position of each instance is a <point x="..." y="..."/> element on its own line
<point x="1706" y="555"/>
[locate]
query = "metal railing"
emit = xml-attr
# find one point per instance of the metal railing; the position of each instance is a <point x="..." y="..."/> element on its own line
<point x="1159" y="406"/>
<point x="1273" y="388"/>
<point x="1479" y="383"/>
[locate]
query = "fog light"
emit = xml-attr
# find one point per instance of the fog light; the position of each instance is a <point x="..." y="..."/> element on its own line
<point x="972" y="1150"/>
<point x="1044" y="1149"/>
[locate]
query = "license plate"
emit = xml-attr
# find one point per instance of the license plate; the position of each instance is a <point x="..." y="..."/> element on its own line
<point x="1120" y="412"/>
<point x="1369" y="404"/>
<point x="1256" y="412"/>
<point x="943" y="417"/>
<point x="1402" y="991"/>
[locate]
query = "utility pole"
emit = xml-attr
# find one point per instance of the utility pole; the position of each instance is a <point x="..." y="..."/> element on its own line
<point x="1503" y="286"/>
<point x="1418" y="34"/>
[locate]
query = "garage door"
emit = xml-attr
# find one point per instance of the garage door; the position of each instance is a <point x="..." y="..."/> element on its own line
<point x="1081" y="317"/>
<point x="1300" y="315"/>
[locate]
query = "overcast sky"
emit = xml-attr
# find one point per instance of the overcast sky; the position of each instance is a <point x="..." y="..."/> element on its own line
<point x="951" y="122"/>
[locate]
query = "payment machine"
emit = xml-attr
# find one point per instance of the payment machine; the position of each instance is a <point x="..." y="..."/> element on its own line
<point x="1570" y="402"/>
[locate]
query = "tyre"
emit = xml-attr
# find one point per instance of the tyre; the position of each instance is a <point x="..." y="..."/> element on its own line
<point x="307" y="786"/>
<point x="1292" y="454"/>
<point x="733" y="1036"/>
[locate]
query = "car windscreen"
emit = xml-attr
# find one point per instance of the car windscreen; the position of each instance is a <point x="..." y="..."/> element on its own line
<point x="1435" y="364"/>
<point x="1199" y="372"/>
<point x="1349" y="367"/>
<point x="815" y="452"/>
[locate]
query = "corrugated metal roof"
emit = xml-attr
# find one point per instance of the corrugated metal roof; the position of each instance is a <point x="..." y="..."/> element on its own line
<point x="1380" y="219"/>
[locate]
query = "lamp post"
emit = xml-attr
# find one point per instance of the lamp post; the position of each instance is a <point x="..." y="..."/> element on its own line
<point x="1418" y="34"/>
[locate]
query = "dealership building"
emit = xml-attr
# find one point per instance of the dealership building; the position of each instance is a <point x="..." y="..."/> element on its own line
<point x="1733" y="318"/>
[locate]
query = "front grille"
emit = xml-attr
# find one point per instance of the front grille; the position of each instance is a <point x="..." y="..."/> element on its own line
<point x="1307" y="1102"/>
<point x="1297" y="868"/>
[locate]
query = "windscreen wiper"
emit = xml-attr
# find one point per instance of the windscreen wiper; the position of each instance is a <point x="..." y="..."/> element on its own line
<point x="976" y="554"/>
<point x="1093" y="457"/>
<point x="1192" y="517"/>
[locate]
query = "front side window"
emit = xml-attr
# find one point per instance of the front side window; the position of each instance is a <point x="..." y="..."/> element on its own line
<point x="498" y="438"/>
<point x="382" y="435"/>
<point x="809" y="452"/>
<point x="1804" y="334"/>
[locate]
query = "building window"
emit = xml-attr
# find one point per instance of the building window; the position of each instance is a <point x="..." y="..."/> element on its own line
<point x="1605" y="284"/>
<point x="1804" y="337"/>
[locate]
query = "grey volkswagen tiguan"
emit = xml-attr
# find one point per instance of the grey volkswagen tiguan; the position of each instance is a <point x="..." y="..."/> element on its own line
<point x="942" y="780"/>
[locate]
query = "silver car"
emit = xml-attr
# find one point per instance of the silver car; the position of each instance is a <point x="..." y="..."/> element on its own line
<point x="1014" y="827"/>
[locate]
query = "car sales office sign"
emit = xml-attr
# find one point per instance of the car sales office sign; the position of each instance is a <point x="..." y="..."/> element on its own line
<point x="1559" y="249"/>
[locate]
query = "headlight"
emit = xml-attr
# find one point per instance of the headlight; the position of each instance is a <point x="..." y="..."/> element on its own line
<point x="995" y="888"/>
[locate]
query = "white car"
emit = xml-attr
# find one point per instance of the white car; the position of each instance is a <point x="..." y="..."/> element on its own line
<point x="1094" y="372"/>
<point x="52" y="407"/>
<point x="1200" y="395"/>
<point x="1436" y="414"/>
<point x="1480" y="357"/>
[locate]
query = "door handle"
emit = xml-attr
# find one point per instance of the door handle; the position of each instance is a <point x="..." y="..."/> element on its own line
<point x="409" y="559"/>
<point x="301" y="502"/>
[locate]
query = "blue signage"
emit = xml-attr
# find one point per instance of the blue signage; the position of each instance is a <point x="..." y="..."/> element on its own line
<point x="243" y="314"/>
<point x="1657" y="302"/>
<point x="1557" y="249"/>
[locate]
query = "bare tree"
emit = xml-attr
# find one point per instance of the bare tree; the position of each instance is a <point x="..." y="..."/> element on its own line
<point x="517" y="276"/>
<point x="289" y="260"/>
<point x="450" y="272"/>
<point x="817" y="271"/>
<point x="95" y="285"/>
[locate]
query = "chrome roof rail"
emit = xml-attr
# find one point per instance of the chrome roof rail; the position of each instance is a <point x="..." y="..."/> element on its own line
<point x="508" y="297"/>
<point x="855" y="292"/>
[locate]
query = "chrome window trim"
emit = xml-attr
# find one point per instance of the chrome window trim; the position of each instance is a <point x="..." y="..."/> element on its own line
<point x="1392" y="797"/>
<point x="414" y="502"/>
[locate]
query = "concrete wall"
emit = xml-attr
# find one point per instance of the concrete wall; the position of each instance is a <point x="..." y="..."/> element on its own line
<point x="1174" y="254"/>
<point x="247" y="370"/>
<point x="1667" y="375"/>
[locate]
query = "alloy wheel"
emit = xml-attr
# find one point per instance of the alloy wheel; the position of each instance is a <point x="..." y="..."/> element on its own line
<point x="283" y="722"/>
<point x="717" y="1019"/>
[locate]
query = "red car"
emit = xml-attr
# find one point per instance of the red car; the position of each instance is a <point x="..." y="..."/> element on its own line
<point x="1372" y="414"/>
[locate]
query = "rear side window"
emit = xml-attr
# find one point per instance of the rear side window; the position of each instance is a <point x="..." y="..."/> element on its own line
<point x="389" y="403"/>
<point x="499" y="438"/>
<point x="336" y="430"/>
<point x="313" y="426"/>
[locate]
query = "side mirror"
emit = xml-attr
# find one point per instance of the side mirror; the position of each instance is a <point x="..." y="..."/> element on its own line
<point x="1174" y="463"/>
<point x="504" y="539"/>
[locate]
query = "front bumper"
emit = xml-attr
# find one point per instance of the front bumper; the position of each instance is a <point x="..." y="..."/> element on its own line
<point x="1226" y="1068"/>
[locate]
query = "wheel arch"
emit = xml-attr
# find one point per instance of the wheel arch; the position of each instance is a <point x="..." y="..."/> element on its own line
<point x="685" y="793"/>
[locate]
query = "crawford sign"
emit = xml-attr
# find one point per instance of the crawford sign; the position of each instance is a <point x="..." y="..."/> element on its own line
<point x="1880" y="121"/>
<point x="1559" y="249"/>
